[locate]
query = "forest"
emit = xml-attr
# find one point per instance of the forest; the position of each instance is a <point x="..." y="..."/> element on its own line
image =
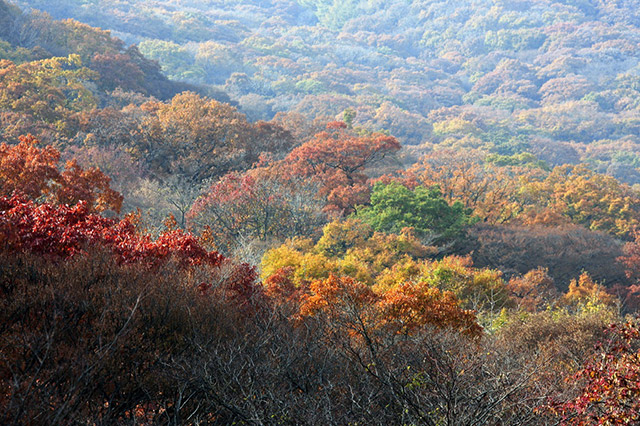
<point x="413" y="212"/>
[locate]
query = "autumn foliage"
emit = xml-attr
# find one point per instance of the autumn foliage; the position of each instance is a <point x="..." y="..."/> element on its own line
<point x="338" y="159"/>
<point x="579" y="195"/>
<point x="410" y="306"/>
<point x="610" y="392"/>
<point x="404" y="309"/>
<point x="28" y="169"/>
<point x="462" y="278"/>
<point x="257" y="205"/>
<point x="59" y="232"/>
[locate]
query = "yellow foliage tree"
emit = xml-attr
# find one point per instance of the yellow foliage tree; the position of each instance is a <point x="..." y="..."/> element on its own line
<point x="582" y="196"/>
<point x="586" y="295"/>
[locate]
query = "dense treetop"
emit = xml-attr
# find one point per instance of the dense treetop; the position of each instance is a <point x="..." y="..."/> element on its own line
<point x="555" y="79"/>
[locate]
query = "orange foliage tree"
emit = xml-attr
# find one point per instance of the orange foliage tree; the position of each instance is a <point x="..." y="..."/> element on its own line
<point x="579" y="195"/>
<point x="411" y="306"/>
<point x="587" y="294"/>
<point x="533" y="291"/>
<point x="27" y="169"/>
<point x="199" y="138"/>
<point x="356" y="308"/>
<point x="490" y="191"/>
<point x="338" y="159"/>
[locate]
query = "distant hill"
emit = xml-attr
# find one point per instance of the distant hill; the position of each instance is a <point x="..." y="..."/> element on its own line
<point x="559" y="79"/>
<point x="36" y="35"/>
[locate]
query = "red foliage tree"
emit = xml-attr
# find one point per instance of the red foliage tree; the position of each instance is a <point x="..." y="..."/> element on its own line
<point x="33" y="171"/>
<point x="337" y="159"/>
<point x="26" y="168"/>
<point x="260" y="205"/>
<point x="92" y="186"/>
<point x="59" y="232"/>
<point x="631" y="258"/>
<point x="611" y="391"/>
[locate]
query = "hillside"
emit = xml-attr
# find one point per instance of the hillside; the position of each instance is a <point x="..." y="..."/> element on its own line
<point x="557" y="79"/>
<point x="319" y="212"/>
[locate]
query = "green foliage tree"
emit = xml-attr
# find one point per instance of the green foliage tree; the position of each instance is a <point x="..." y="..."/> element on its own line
<point x="394" y="207"/>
